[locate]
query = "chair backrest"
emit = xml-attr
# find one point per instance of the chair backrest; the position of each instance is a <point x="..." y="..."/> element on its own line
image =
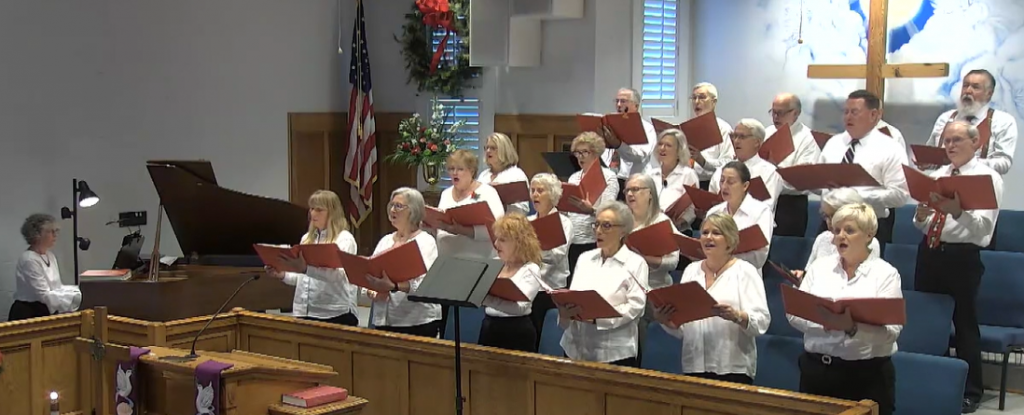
<point x="930" y="385"/>
<point x="1008" y="235"/>
<point x="551" y="335"/>
<point x="369" y="317"/>
<point x="470" y="320"/>
<point x="904" y="258"/>
<point x="903" y="231"/>
<point x="813" y="219"/>
<point x="777" y="365"/>
<point x="791" y="251"/>
<point x="662" y="351"/>
<point x="929" y="317"/>
<point x="1001" y="295"/>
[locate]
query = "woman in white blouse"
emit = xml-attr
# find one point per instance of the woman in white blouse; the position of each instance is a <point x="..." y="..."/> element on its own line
<point x="614" y="272"/>
<point x="745" y="209"/>
<point x="823" y="245"/>
<point x="722" y="347"/>
<point x="502" y="167"/>
<point x="545" y="191"/>
<point x="38" y="291"/>
<point x="322" y="294"/>
<point x="587" y="147"/>
<point x="843" y="358"/>
<point x="642" y="200"/>
<point x="674" y="171"/>
<point x="506" y="323"/>
<point x="391" y="310"/>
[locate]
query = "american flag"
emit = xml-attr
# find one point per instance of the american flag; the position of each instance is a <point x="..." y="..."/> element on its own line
<point x="361" y="160"/>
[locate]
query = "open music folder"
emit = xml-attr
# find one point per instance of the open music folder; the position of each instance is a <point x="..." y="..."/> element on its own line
<point x="513" y="192"/>
<point x="701" y="132"/>
<point x="874" y="311"/>
<point x="549" y="231"/>
<point x="689" y="247"/>
<point x="473" y="214"/>
<point x="751" y="239"/>
<point x="316" y="255"/>
<point x="592" y="184"/>
<point x="506" y="289"/>
<point x="779" y="146"/>
<point x="402" y="263"/>
<point x="827" y="176"/>
<point x="928" y="155"/>
<point x="703" y="200"/>
<point x="592" y="305"/>
<point x="976" y="191"/>
<point x="691" y="301"/>
<point x="655" y="240"/>
<point x="678" y="207"/>
<point x="821" y="138"/>
<point x="785" y="272"/>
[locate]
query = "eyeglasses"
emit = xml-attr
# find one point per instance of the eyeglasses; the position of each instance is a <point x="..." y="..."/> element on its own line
<point x="635" y="189"/>
<point x="700" y="97"/>
<point x="952" y="141"/>
<point x="605" y="226"/>
<point x="453" y="170"/>
<point x="776" y="113"/>
<point x="735" y="136"/>
<point x="491" y="147"/>
<point x="55" y="232"/>
<point x="397" y="207"/>
<point x="581" y="153"/>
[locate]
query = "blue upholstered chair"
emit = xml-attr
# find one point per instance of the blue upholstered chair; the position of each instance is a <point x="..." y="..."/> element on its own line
<point x="662" y="351"/>
<point x="813" y="219"/>
<point x="791" y="251"/>
<point x="777" y="362"/>
<point x="904" y="232"/>
<point x="1008" y="234"/>
<point x="928" y="385"/>
<point x="470" y="320"/>
<point x="1000" y="307"/>
<point x="551" y="335"/>
<point x="904" y="258"/>
<point x="929" y="317"/>
<point x="779" y="326"/>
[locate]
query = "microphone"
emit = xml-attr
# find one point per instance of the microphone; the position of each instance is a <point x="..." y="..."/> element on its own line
<point x="192" y="354"/>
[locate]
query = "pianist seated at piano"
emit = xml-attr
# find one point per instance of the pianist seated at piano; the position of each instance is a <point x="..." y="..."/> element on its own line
<point x="671" y="172"/>
<point x="322" y="294"/>
<point x="38" y="290"/>
<point x="823" y="246"/>
<point x="746" y="210"/>
<point x="392" y="311"/>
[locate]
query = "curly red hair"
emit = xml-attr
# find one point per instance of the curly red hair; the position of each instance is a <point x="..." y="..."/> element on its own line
<point x="519" y="230"/>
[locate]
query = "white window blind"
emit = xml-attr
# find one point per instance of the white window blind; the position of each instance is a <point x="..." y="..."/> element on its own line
<point x="659" y="57"/>
<point x="467" y="110"/>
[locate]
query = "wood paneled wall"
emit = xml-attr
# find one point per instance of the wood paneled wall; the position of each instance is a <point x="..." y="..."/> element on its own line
<point x="39" y="357"/>
<point x="317" y="144"/>
<point x="533" y="134"/>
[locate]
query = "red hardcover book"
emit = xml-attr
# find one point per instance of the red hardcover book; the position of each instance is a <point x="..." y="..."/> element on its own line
<point x="874" y="311"/>
<point x="549" y="231"/>
<point x="692" y="302"/>
<point x="779" y="146"/>
<point x="592" y="305"/>
<point x="654" y="240"/>
<point x="315" y="396"/>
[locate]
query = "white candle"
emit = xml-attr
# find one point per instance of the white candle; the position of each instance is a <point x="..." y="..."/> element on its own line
<point x="54" y="404"/>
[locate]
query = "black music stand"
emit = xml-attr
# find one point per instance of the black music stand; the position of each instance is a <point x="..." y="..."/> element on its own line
<point x="457" y="281"/>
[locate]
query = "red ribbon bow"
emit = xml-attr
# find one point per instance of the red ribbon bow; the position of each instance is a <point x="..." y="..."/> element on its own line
<point x="437" y="13"/>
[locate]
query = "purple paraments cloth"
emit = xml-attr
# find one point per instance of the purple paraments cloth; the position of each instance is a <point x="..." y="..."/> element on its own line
<point x="208" y="387"/>
<point x="126" y="400"/>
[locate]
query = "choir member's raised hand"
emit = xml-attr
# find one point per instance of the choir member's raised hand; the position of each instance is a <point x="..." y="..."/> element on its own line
<point x="836" y="321"/>
<point x="610" y="138"/>
<point x="923" y="212"/>
<point x="697" y="157"/>
<point x="730" y="313"/>
<point x="951" y="206"/>
<point x="664" y="314"/>
<point x="382" y="284"/>
<point x="798" y="274"/>
<point x="925" y="167"/>
<point x="582" y="204"/>
<point x="273" y="273"/>
<point x="569" y="312"/>
<point x="293" y="263"/>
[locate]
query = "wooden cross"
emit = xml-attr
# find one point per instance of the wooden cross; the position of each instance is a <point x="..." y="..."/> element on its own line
<point x="877" y="70"/>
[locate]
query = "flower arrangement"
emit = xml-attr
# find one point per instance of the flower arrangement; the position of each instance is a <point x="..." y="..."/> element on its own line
<point x="427" y="144"/>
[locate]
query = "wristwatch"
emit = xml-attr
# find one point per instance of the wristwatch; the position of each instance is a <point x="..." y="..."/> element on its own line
<point x="852" y="332"/>
<point x="395" y="288"/>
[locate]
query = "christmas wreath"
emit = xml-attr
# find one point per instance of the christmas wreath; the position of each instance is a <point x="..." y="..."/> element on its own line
<point x="426" y="68"/>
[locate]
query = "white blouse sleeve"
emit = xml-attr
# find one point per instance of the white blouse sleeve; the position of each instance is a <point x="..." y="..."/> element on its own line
<point x="807" y="326"/>
<point x="480" y="232"/>
<point x="63" y="300"/>
<point x="754" y="303"/>
<point x="890" y="287"/>
<point x="636" y="299"/>
<point x="527" y="279"/>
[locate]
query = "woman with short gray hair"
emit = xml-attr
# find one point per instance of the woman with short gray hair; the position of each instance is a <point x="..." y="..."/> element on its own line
<point x="823" y="247"/>
<point x="545" y="192"/>
<point x="38" y="290"/>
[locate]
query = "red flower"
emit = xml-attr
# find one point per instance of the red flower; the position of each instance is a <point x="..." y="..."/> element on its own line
<point x="423" y="140"/>
<point x="415" y="151"/>
<point x="433" y="147"/>
<point x="422" y="129"/>
<point x="447" y="142"/>
<point x="432" y="6"/>
<point x="405" y="146"/>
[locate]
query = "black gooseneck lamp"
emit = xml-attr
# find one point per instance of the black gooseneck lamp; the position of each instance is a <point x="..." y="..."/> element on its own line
<point x="81" y="196"/>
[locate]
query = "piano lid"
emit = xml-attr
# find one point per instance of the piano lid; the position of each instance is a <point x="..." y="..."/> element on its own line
<point x="210" y="220"/>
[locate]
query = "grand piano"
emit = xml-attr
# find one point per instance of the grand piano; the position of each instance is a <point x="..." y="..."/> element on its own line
<point x="215" y="228"/>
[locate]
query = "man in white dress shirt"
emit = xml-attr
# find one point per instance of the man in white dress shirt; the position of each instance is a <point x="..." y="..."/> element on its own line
<point x="786" y="110"/>
<point x="949" y="256"/>
<point x="704" y="100"/>
<point x="627" y="160"/>
<point x="893" y="132"/>
<point x="747" y="137"/>
<point x="879" y="154"/>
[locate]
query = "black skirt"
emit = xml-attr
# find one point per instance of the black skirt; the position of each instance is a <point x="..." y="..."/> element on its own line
<point x="24" y="310"/>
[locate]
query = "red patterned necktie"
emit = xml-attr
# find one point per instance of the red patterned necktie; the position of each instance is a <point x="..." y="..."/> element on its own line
<point x="938" y="223"/>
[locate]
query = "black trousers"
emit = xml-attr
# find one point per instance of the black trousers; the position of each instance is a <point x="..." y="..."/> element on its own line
<point x="622" y="190"/>
<point x="873" y="379"/>
<point x="430" y="329"/>
<point x="885" y="226"/>
<point x="704" y="184"/>
<point x="512" y="333"/>
<point x="956" y="270"/>
<point x="24" y="310"/>
<point x="347" y="319"/>
<point x="728" y="377"/>
<point x="541" y="304"/>
<point x="791" y="216"/>
<point x="574" y="254"/>
<point x="627" y="362"/>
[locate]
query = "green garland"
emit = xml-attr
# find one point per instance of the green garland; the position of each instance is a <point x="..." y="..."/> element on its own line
<point x="449" y="79"/>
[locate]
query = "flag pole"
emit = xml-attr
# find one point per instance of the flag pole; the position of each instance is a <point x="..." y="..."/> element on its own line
<point x="359" y="67"/>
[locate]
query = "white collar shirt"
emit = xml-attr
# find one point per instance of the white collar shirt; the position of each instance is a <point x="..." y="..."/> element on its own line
<point x="635" y="158"/>
<point x="527" y="279"/>
<point x="973" y="226"/>
<point x="324" y="293"/>
<point x="397" y="310"/>
<point x="883" y="159"/>
<point x="670" y="188"/>
<point x="511" y="174"/>
<point x="752" y="212"/>
<point x="758" y="167"/>
<point x="480" y="245"/>
<point x="37" y="278"/>
<point x="805" y="151"/>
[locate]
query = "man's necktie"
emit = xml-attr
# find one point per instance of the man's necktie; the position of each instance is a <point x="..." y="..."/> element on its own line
<point x="970" y="118"/>
<point x="614" y="164"/>
<point x="848" y="158"/>
<point x="938" y="223"/>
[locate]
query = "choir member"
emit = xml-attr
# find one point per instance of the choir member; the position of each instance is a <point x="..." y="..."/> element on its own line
<point x="744" y="209"/>
<point x="747" y="137"/>
<point x="949" y="256"/>
<point x="322" y="294"/>
<point x="997" y="145"/>
<point x="722" y="347"/>
<point x="643" y="202"/>
<point x="823" y="246"/>
<point x="545" y="191"/>
<point x="614" y="272"/>
<point x="506" y="323"/>
<point x="474" y="241"/>
<point x="587" y="147"/>
<point x="392" y="311"/>
<point x="672" y="172"/>
<point x="627" y="160"/>
<point x="880" y="156"/>
<point x="845" y="359"/>
<point x="502" y="167"/>
<point x="38" y="291"/>
<point x="704" y="100"/>
<point x="786" y="110"/>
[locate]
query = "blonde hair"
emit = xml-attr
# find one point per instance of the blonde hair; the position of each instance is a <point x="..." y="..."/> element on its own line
<point x="506" y="152"/>
<point x="727" y="226"/>
<point x="861" y="214"/>
<point x="654" y="205"/>
<point x="336" y="222"/>
<point x="465" y="159"/>
<point x="682" y="149"/>
<point x="517" y="228"/>
<point x="589" y="139"/>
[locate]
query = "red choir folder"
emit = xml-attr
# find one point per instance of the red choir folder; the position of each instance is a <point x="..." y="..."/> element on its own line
<point x="826" y="176"/>
<point x="885" y="130"/>
<point x="928" y="155"/>
<point x="691" y="301"/>
<point x="679" y="206"/>
<point x="976" y="191"/>
<point x="514" y="192"/>
<point x="758" y="190"/>
<point x="751" y="239"/>
<point x="507" y="290"/>
<point x="779" y="146"/>
<point x="627" y="127"/>
<point x="689" y="247"/>
<point x="654" y="240"/>
<point x="874" y="311"/>
<point x="271" y="255"/>
<point x="316" y="396"/>
<point x="549" y="231"/>
<point x="95" y="274"/>
<point x="785" y="272"/>
<point x="703" y="200"/>
<point x="702" y="132"/>
<point x="402" y="263"/>
<point x="821" y="137"/>
<point x="592" y="184"/>
<point x="473" y="214"/>
<point x="590" y="123"/>
<point x="592" y="305"/>
<point x="321" y="255"/>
